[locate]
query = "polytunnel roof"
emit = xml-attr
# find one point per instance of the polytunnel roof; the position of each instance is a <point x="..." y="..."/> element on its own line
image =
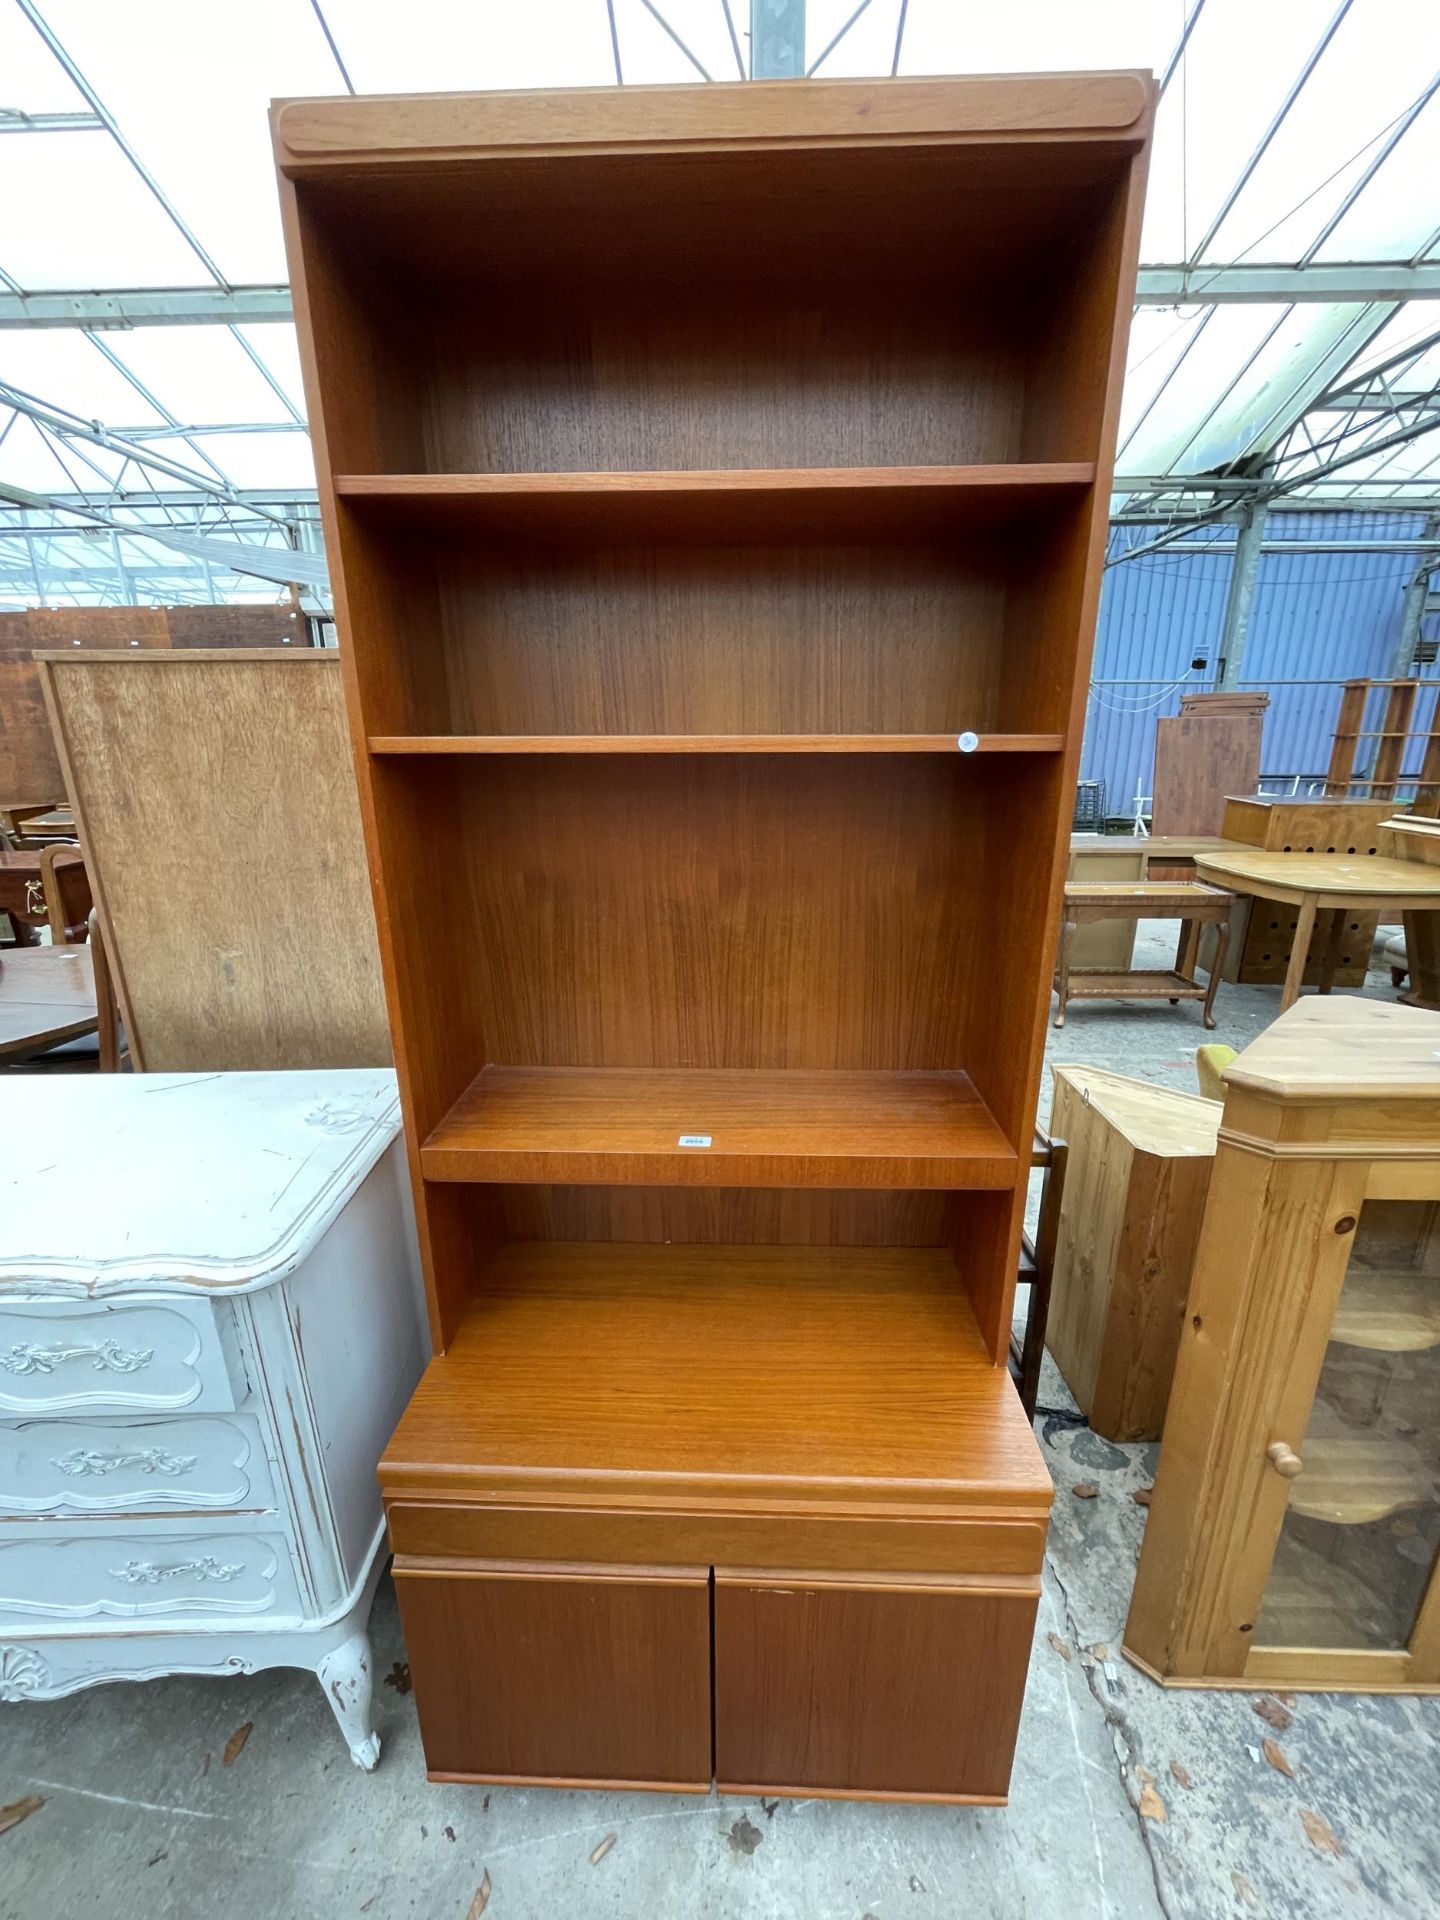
<point x="1287" y="334"/>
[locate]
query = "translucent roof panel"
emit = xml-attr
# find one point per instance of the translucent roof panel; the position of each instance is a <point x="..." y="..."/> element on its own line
<point x="427" y="45"/>
<point x="279" y="348"/>
<point x="74" y="213"/>
<point x="1396" y="216"/>
<point x="69" y="370"/>
<point x="31" y="78"/>
<point x="32" y="459"/>
<point x="202" y="375"/>
<point x="1287" y="131"/>
<point x="1029" y="36"/>
<point x="261" y="459"/>
<point x="1336" y="128"/>
<point x="191" y="86"/>
<point x="1240" y="61"/>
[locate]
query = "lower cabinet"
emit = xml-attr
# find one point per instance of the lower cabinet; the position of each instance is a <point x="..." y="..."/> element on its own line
<point x="573" y="1677"/>
<point x="584" y="1676"/>
<point x="868" y="1689"/>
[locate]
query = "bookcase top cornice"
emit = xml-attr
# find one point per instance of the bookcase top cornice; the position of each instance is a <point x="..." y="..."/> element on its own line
<point x="321" y="134"/>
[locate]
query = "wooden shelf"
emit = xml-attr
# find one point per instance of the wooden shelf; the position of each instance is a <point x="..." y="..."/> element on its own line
<point x="857" y="1372"/>
<point x="626" y="1126"/>
<point x="1351" y="1482"/>
<point x="761" y="505"/>
<point x="1389" y="1312"/>
<point x="480" y="743"/>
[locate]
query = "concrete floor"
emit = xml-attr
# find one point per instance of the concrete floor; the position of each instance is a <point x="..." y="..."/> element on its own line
<point x="141" y="1818"/>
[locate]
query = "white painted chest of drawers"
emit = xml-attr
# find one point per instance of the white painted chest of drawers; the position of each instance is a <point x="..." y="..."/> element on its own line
<point x="210" y="1322"/>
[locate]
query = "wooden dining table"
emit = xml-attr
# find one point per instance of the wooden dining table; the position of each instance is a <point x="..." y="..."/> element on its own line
<point x="47" y="996"/>
<point x="1322" y="883"/>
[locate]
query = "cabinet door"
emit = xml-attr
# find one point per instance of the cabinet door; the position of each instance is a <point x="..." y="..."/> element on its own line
<point x="846" y="1689"/>
<point x="569" y="1676"/>
<point x="1356" y="1552"/>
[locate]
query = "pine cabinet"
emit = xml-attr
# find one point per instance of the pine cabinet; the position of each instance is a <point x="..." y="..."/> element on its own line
<point x="1294" y="1529"/>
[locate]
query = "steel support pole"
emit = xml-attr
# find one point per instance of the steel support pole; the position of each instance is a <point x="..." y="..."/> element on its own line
<point x="777" y="39"/>
<point x="1412" y="609"/>
<point x="1241" y="593"/>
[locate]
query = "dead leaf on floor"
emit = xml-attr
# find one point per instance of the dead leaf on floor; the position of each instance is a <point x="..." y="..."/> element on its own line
<point x="1181" y="1774"/>
<point x="1320" y="1833"/>
<point x="1273" y="1713"/>
<point x="1085" y="1490"/>
<point x="600" y="1852"/>
<point x="235" y="1745"/>
<point x="19" y="1810"/>
<point x="745" y="1836"/>
<point x="482" y="1898"/>
<point x="1141" y="1496"/>
<point x="1099" y="1651"/>
<point x="1151" y="1806"/>
<point x="769" y="1806"/>
<point x="1243" y="1889"/>
<point x="1276" y="1756"/>
<point x="1062" y="1647"/>
<point x="449" y="1833"/>
<point x="399" y="1677"/>
<point x="1285" y="1699"/>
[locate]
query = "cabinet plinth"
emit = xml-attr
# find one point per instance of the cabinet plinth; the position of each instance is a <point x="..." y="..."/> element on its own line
<point x="716" y="515"/>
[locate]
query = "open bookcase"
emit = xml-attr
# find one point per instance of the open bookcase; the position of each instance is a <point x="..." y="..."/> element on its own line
<point x="715" y="483"/>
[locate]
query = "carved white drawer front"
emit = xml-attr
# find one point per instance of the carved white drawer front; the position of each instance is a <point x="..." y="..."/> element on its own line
<point x="58" y="1356"/>
<point x="133" y="1575"/>
<point x="133" y="1466"/>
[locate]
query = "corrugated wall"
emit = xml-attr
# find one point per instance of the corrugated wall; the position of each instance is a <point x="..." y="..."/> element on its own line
<point x="1316" y="617"/>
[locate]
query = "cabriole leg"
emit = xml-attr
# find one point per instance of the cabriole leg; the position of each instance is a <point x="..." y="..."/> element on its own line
<point x="345" y="1676"/>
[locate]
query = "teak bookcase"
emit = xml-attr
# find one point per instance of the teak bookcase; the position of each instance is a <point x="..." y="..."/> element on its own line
<point x="715" y="483"/>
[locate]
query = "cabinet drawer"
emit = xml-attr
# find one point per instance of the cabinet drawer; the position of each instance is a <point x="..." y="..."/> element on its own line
<point x="999" y="1547"/>
<point x="136" y="1574"/>
<point x="133" y="1466"/>
<point x="570" y="1676"/>
<point x="827" y="1687"/>
<point x="64" y="1356"/>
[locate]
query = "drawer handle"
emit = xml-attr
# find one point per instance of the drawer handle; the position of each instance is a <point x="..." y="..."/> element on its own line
<point x="150" y="1573"/>
<point x="105" y="1356"/>
<point x="85" y="1462"/>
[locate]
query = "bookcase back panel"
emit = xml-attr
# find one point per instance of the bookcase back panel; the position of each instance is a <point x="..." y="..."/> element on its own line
<point x="726" y="1216"/>
<point x="715" y="376"/>
<point x="702" y="640"/>
<point x="701" y="911"/>
<point x="846" y="307"/>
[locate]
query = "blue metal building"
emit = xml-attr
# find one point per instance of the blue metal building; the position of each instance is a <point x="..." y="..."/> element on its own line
<point x="1317" y="619"/>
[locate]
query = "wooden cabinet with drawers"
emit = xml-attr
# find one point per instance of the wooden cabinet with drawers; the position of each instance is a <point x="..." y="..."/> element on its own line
<point x="208" y="1324"/>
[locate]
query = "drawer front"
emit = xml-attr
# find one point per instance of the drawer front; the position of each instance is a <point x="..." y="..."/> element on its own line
<point x="134" y="1466"/>
<point x="136" y="1575"/>
<point x="563" y="1676"/>
<point x="996" y="1546"/>
<point x="59" y="1357"/>
<point x="828" y="1687"/>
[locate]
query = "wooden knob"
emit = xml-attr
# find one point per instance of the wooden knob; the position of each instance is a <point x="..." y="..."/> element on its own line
<point x="1285" y="1460"/>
